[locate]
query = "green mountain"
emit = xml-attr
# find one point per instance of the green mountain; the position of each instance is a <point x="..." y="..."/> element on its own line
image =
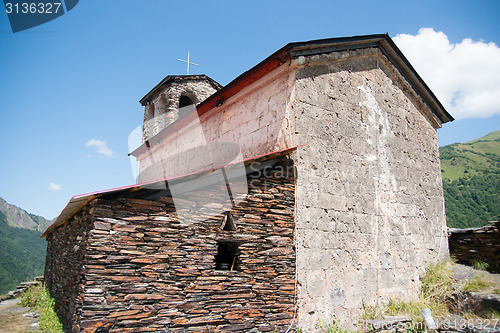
<point x="22" y="255"/>
<point x="471" y="181"/>
<point x="18" y="217"/>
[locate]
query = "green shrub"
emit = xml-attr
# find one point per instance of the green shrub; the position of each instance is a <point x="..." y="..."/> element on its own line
<point x="480" y="265"/>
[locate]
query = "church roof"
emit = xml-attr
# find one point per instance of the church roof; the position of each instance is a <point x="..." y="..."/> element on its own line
<point x="176" y="78"/>
<point x="297" y="49"/>
<point x="77" y="202"/>
<point x="275" y="60"/>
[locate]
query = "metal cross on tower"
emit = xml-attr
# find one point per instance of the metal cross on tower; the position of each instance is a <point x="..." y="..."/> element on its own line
<point x="188" y="63"/>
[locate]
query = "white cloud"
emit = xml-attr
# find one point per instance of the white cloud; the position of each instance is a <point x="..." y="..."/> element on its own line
<point x="54" y="187"/>
<point x="464" y="76"/>
<point x="101" y="147"/>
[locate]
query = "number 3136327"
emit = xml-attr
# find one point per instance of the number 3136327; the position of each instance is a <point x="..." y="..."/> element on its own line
<point x="33" y="8"/>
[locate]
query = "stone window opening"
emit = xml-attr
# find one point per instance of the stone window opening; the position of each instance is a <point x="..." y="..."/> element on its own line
<point x="150" y="111"/>
<point x="228" y="222"/>
<point x="163" y="104"/>
<point x="227" y="256"/>
<point x="185" y="101"/>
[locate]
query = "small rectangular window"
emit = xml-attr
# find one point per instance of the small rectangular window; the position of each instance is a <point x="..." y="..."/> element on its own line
<point x="227" y="256"/>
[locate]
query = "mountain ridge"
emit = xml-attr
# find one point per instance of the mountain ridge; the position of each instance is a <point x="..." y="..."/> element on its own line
<point x="18" y="217"/>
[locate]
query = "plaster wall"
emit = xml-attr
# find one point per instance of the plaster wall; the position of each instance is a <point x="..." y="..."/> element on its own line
<point x="256" y="121"/>
<point x="369" y="204"/>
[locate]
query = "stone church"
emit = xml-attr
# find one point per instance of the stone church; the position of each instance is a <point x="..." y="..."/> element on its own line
<point x="304" y="189"/>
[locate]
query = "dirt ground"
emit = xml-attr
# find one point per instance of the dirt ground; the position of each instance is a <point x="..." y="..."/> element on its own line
<point x="16" y="319"/>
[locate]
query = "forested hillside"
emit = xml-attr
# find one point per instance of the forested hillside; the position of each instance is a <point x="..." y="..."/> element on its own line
<point x="22" y="255"/>
<point x="471" y="181"/>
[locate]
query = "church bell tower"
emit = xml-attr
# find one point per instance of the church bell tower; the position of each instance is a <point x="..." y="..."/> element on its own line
<point x="162" y="103"/>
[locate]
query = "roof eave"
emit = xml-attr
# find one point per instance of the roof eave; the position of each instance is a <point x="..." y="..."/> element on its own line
<point x="394" y="54"/>
<point x="77" y="202"/>
<point x="382" y="41"/>
<point x="272" y="62"/>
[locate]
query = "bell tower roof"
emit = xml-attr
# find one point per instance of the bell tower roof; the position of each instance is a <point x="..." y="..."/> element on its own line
<point x="169" y="79"/>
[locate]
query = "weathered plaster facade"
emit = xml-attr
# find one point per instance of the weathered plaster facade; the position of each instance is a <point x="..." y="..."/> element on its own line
<point x="258" y="120"/>
<point x="369" y="204"/>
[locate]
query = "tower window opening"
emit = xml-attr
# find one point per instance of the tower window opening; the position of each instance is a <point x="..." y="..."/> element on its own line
<point x="150" y="111"/>
<point x="184" y="101"/>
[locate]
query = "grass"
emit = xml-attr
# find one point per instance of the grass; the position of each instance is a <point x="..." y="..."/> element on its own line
<point x="38" y="298"/>
<point x="476" y="284"/>
<point x="330" y="328"/>
<point x="334" y="329"/>
<point x="483" y="283"/>
<point x="437" y="281"/>
<point x="494" y="314"/>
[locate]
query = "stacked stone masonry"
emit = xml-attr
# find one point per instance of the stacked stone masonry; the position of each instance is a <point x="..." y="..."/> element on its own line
<point x="163" y="108"/>
<point x="129" y="265"/>
<point x="477" y="245"/>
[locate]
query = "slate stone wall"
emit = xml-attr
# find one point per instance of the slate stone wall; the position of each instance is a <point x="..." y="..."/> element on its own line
<point x="64" y="266"/>
<point x="477" y="244"/>
<point x="129" y="265"/>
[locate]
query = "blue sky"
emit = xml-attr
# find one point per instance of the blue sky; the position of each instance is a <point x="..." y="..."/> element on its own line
<point x="69" y="89"/>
